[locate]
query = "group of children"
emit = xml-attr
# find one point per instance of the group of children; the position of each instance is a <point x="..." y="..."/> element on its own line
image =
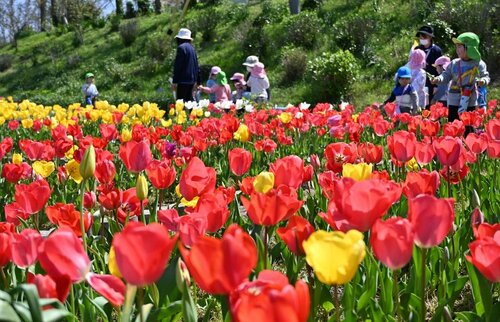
<point x="255" y="87"/>
<point x="459" y="84"/>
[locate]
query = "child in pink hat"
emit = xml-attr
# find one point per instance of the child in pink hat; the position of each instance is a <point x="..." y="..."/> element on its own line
<point x="418" y="76"/>
<point x="240" y="85"/>
<point x="441" y="91"/>
<point x="258" y="83"/>
<point x="211" y="81"/>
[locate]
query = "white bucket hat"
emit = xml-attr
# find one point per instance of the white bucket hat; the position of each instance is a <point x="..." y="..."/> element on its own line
<point x="184" y="33"/>
<point x="251" y="61"/>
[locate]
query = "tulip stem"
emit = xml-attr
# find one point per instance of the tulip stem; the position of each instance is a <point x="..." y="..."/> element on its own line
<point x="396" y="293"/>
<point x="265" y="246"/>
<point x="142" y="212"/>
<point x="448" y="180"/>
<point x="140" y="301"/>
<point x="336" y="302"/>
<point x="422" y="286"/>
<point x="82" y="224"/>
<point x="129" y="300"/>
<point x="4" y="279"/>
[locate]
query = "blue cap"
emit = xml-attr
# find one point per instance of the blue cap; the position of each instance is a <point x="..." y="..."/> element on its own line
<point x="404" y="72"/>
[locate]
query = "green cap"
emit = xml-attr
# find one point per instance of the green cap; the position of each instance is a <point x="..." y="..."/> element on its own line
<point x="221" y="78"/>
<point x="471" y="42"/>
<point x="89" y="75"/>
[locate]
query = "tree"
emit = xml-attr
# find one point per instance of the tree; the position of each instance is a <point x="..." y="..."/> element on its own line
<point x="54" y="12"/>
<point x="16" y="16"/>
<point x="294" y="6"/>
<point x="42" y="7"/>
<point x="157" y="6"/>
<point x="119" y="7"/>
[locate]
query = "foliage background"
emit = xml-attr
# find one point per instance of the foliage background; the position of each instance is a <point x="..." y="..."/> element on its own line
<point x="132" y="58"/>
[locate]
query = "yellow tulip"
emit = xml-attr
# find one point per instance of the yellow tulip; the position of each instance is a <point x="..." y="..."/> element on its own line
<point x="264" y="182"/>
<point x="166" y="123"/>
<point x="73" y="170"/>
<point x="17" y="158"/>
<point x="355" y="117"/>
<point x="358" y="172"/>
<point x="335" y="256"/>
<point x="113" y="268"/>
<point x="412" y="165"/>
<point x="285" y="117"/>
<point x="171" y="112"/>
<point x="44" y="168"/>
<point x="179" y="105"/>
<point x="141" y="187"/>
<point x="27" y="123"/>
<point x="242" y="134"/>
<point x="126" y="135"/>
<point x="191" y="203"/>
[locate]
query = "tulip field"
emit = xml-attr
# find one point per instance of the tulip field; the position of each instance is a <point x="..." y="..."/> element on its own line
<point x="201" y="212"/>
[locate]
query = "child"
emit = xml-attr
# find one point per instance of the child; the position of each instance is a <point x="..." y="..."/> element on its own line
<point x="211" y="81"/>
<point x="418" y="76"/>
<point x="221" y="89"/>
<point x="258" y="83"/>
<point x="441" y="92"/>
<point x="462" y="73"/>
<point x="404" y="94"/>
<point x="89" y="90"/>
<point x="239" y="83"/>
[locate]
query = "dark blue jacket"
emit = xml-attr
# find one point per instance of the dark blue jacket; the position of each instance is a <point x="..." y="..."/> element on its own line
<point x="186" y="69"/>
<point x="432" y="53"/>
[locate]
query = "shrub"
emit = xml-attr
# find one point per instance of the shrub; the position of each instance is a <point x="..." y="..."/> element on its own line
<point x="78" y="36"/>
<point x="302" y="30"/>
<point x="130" y="11"/>
<point x="332" y="75"/>
<point x="129" y="32"/>
<point x="5" y="62"/>
<point x="158" y="48"/>
<point x="115" y="22"/>
<point x="74" y="61"/>
<point x="294" y="62"/>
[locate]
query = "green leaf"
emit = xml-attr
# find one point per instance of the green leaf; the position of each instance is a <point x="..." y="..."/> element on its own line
<point x="146" y="309"/>
<point x="387" y="302"/>
<point x="31" y="294"/>
<point x="7" y="313"/>
<point x="4" y="296"/>
<point x="468" y="317"/>
<point x="189" y="310"/>
<point x="481" y="289"/>
<point x="23" y="311"/>
<point x="55" y="315"/>
<point x="328" y="306"/>
<point x="154" y="293"/>
<point x="99" y="306"/>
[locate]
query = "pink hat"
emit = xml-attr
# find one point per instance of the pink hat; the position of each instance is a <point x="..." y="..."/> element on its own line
<point x="258" y="70"/>
<point x="417" y="59"/>
<point x="442" y="61"/>
<point x="239" y="77"/>
<point x="215" y="70"/>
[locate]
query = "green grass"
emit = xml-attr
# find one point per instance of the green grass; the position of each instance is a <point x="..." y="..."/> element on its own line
<point x="49" y="68"/>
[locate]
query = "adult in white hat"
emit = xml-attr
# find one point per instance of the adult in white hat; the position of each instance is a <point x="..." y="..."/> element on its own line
<point x="186" y="70"/>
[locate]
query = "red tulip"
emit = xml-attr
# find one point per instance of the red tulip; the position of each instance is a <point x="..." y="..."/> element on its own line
<point x="493" y="129"/>
<point x="213" y="205"/>
<point x="476" y="143"/>
<point x="240" y="161"/>
<point x="288" y="171"/>
<point x="452" y="175"/>
<point x="454" y="129"/>
<point x="429" y="128"/>
<point x="105" y="171"/>
<point x="170" y="218"/>
<point x="14" y="212"/>
<point x="32" y="197"/>
<point x="136" y="155"/>
<point x="5" y="146"/>
<point x="493" y="149"/>
<point x="337" y="154"/>
<point x="108" y="132"/>
<point x="24" y="247"/>
<point x="130" y="205"/>
<point x="326" y="182"/>
<point x="402" y="145"/>
<point x="219" y="265"/>
<point x="48" y="288"/>
<point x="196" y="179"/>
<point x="485" y="256"/>
<point x="270" y="208"/>
<point x="447" y="149"/>
<point x="426" y="211"/>
<point x="420" y="182"/>
<point x="5" y="249"/>
<point x="424" y="153"/>
<point x="15" y="172"/>
<point x="486" y="230"/>
<point x="370" y="152"/>
<point x="161" y="174"/>
<point x="66" y="215"/>
<point x="109" y="286"/>
<point x="392" y="241"/>
<point x="7" y="227"/>
<point x="62" y="254"/>
<point x="191" y="228"/>
<point x="296" y="231"/>
<point x="35" y="150"/>
<point x="358" y="204"/>
<point x="142" y="252"/>
<point x="270" y="298"/>
<point x="62" y="145"/>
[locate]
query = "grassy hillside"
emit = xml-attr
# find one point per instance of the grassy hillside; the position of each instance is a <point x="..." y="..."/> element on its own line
<point x="49" y="67"/>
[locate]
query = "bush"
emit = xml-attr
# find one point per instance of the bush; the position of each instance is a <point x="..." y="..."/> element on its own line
<point x="158" y="48"/>
<point x="129" y="32"/>
<point x="302" y="30"/>
<point x="74" y="61"/>
<point x="115" y="22"/>
<point x="294" y="62"/>
<point x="332" y="75"/>
<point x="5" y="62"/>
<point x="130" y="11"/>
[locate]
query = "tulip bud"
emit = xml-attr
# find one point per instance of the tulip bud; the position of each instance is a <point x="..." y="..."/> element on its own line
<point x="141" y="187"/>
<point x="475" y="199"/>
<point x="264" y="182"/>
<point x="87" y="166"/>
<point x="446" y="255"/>
<point x="182" y="275"/>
